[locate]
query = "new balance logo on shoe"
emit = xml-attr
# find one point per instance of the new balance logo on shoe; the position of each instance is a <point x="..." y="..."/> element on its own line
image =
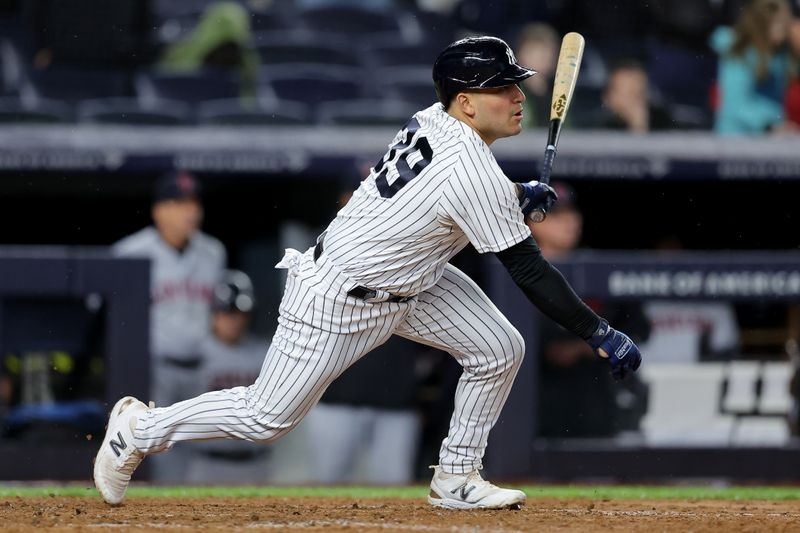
<point x="464" y="491"/>
<point x="116" y="446"/>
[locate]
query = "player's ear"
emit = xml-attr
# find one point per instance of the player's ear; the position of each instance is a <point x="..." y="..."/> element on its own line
<point x="464" y="103"/>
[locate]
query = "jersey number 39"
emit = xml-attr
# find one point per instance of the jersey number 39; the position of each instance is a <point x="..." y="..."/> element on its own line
<point x="398" y="156"/>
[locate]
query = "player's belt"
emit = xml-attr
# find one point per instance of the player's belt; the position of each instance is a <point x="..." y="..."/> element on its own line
<point x="187" y="363"/>
<point x="362" y="293"/>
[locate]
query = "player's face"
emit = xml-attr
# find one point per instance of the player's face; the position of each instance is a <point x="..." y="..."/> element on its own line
<point x="230" y="326"/>
<point x="498" y="112"/>
<point x="178" y="220"/>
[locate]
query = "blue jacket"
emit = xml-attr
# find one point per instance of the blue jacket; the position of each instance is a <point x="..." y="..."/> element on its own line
<point x="747" y="106"/>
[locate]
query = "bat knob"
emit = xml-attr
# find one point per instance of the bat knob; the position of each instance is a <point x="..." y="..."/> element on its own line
<point x="538" y="216"/>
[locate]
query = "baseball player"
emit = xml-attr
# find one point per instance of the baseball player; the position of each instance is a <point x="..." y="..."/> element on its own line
<point x="381" y="268"/>
<point x="231" y="357"/>
<point x="185" y="266"/>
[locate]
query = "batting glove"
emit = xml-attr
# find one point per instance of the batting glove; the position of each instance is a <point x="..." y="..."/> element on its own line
<point x="623" y="354"/>
<point x="535" y="195"/>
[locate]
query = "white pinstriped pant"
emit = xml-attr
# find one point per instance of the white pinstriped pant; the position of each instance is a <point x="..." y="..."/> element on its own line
<point x="322" y="331"/>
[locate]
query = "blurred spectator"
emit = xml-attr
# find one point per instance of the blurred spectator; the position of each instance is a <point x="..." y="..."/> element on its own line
<point x="793" y="93"/>
<point x="222" y="40"/>
<point x="627" y="104"/>
<point x="690" y="331"/>
<point x="186" y="265"/>
<point x="232" y="357"/>
<point x="589" y="403"/>
<point x="755" y="65"/>
<point x="537" y="46"/>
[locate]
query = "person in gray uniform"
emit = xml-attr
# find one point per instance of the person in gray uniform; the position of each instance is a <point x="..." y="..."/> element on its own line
<point x="232" y="358"/>
<point x="185" y="267"/>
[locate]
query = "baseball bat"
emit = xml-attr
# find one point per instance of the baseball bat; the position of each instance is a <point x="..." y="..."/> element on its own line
<point x="569" y="63"/>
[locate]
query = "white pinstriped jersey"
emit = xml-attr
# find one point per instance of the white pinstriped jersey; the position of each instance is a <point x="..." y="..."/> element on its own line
<point x="436" y="189"/>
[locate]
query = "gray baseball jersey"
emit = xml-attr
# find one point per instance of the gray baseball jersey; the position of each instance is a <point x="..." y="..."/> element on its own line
<point x="381" y="269"/>
<point x="182" y="284"/>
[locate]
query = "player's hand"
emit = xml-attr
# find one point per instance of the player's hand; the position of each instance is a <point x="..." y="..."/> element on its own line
<point x="621" y="352"/>
<point x="535" y="195"/>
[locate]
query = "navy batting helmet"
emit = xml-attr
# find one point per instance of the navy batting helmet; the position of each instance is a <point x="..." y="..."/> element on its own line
<point x="234" y="292"/>
<point x="476" y="63"/>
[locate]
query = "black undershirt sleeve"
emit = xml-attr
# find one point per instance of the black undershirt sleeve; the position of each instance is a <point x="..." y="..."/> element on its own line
<point x="547" y="289"/>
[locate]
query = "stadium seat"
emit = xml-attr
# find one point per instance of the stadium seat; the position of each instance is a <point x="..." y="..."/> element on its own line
<point x="233" y="112"/>
<point x="366" y="112"/>
<point x="276" y="48"/>
<point x="90" y="33"/>
<point x="10" y="69"/>
<point x="72" y="84"/>
<point x="689" y="117"/>
<point x="586" y="108"/>
<point x="267" y="21"/>
<point x="174" y="29"/>
<point x="166" y="9"/>
<point x="740" y="387"/>
<point x="776" y="396"/>
<point x="131" y="111"/>
<point x="17" y="110"/>
<point x="313" y="85"/>
<point x="412" y="84"/>
<point x="690" y="416"/>
<point x="186" y="87"/>
<point x="351" y="21"/>
<point x="384" y="53"/>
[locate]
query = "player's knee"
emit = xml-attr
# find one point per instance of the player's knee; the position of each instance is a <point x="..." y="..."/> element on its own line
<point x="507" y="354"/>
<point x="516" y="347"/>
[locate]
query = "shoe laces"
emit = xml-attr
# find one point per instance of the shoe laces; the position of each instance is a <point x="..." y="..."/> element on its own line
<point x="131" y="462"/>
<point x="476" y="479"/>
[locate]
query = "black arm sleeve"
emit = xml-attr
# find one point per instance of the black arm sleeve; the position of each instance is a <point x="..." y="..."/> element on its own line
<point x="547" y="289"/>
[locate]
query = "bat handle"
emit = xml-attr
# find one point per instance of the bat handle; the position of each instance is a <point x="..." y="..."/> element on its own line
<point x="538" y="215"/>
<point x="547" y="163"/>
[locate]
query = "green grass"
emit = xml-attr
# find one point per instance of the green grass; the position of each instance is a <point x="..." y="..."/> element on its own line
<point x="538" y="491"/>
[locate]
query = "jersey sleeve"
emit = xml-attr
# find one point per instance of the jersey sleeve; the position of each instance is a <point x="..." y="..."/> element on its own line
<point x="135" y="245"/>
<point x="481" y="200"/>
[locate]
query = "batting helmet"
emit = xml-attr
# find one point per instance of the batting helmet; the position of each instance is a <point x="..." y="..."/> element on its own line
<point x="476" y="63"/>
<point x="234" y="292"/>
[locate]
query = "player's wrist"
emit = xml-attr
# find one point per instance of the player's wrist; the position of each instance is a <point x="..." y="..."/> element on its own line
<point x="599" y="336"/>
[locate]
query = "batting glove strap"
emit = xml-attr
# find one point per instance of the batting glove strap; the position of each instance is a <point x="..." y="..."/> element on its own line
<point x="623" y="354"/>
<point x="536" y="195"/>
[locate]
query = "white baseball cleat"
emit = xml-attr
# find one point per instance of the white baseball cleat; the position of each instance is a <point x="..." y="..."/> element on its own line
<point x="470" y="491"/>
<point x="118" y="457"/>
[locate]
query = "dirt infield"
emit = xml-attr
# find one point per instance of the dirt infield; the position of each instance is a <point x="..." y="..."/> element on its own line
<point x="60" y="513"/>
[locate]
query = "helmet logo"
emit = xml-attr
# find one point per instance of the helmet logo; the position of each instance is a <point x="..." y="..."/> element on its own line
<point x="510" y="54"/>
<point x="560" y="104"/>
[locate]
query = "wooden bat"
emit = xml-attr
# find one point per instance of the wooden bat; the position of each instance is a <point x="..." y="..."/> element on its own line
<point x="569" y="63"/>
